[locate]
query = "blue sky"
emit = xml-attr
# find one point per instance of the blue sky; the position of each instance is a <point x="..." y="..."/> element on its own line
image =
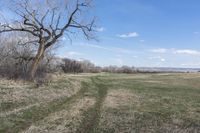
<point x="151" y="33"/>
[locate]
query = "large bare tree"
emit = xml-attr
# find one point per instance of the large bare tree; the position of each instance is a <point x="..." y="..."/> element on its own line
<point x="47" y="21"/>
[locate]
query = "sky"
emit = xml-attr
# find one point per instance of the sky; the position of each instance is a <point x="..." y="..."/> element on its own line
<point x="141" y="33"/>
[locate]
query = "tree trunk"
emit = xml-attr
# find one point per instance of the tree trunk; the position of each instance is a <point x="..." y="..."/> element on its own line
<point x="39" y="56"/>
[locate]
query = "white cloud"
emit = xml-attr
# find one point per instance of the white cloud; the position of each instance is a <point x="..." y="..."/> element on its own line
<point x="176" y="51"/>
<point x="196" y="32"/>
<point x="119" y="55"/>
<point x="158" y="58"/>
<point x="191" y="64"/>
<point x="63" y="38"/>
<point x="129" y="35"/>
<point x="142" y="40"/>
<point x="72" y="53"/>
<point x="113" y="49"/>
<point x="121" y="50"/>
<point x="135" y="56"/>
<point x="91" y="45"/>
<point x="100" y="29"/>
<point x="159" y="50"/>
<point x="154" y="57"/>
<point x="187" y="52"/>
<point x="162" y="59"/>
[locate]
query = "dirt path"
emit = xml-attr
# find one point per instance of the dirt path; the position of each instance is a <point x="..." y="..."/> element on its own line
<point x="97" y="107"/>
<point x="92" y="116"/>
<point x="81" y="114"/>
<point x="69" y="118"/>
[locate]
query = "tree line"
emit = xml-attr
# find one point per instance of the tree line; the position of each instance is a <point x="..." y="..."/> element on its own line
<point x="16" y="60"/>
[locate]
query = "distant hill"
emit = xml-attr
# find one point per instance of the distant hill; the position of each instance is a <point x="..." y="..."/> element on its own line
<point x="167" y="69"/>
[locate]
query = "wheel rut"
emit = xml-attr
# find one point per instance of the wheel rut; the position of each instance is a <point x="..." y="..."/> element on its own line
<point x="92" y="116"/>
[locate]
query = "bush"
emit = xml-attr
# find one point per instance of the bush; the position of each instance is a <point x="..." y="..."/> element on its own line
<point x="16" y="59"/>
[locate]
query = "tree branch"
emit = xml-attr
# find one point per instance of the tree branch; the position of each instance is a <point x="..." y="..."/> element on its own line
<point x="8" y="28"/>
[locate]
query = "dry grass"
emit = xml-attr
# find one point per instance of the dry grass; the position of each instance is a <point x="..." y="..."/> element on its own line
<point x="112" y="103"/>
<point x="66" y="120"/>
<point x="119" y="97"/>
<point x="157" y="103"/>
<point x="117" y="114"/>
<point x="24" y="98"/>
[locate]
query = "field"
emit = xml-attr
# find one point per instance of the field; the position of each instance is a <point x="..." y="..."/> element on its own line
<point x="103" y="103"/>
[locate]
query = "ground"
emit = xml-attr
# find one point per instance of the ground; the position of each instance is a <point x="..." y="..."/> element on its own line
<point x="103" y="103"/>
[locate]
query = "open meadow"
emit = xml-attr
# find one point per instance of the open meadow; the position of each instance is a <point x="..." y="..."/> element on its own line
<point x="103" y="103"/>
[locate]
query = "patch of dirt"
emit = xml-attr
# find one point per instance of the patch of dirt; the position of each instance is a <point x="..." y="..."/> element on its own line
<point x="117" y="114"/>
<point x="120" y="97"/>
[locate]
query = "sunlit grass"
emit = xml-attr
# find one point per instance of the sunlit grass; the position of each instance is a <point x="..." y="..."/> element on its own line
<point x="104" y="103"/>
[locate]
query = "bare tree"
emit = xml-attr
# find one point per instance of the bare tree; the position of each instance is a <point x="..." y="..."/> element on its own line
<point x="47" y="21"/>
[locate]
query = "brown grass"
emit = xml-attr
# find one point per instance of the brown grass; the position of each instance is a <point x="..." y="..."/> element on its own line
<point x="66" y="120"/>
<point x="25" y="97"/>
<point x="119" y="97"/>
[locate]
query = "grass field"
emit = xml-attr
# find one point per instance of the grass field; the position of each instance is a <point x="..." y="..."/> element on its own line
<point x="103" y="103"/>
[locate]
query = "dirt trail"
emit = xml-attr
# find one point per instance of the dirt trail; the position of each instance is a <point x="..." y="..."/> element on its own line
<point x="69" y="118"/>
<point x="79" y="113"/>
<point x="92" y="116"/>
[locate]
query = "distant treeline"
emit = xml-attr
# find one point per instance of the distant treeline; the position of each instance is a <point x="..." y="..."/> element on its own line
<point x="16" y="59"/>
<point x="85" y="66"/>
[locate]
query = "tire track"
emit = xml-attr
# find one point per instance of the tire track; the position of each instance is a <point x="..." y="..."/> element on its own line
<point x="92" y="116"/>
<point x="24" y="119"/>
